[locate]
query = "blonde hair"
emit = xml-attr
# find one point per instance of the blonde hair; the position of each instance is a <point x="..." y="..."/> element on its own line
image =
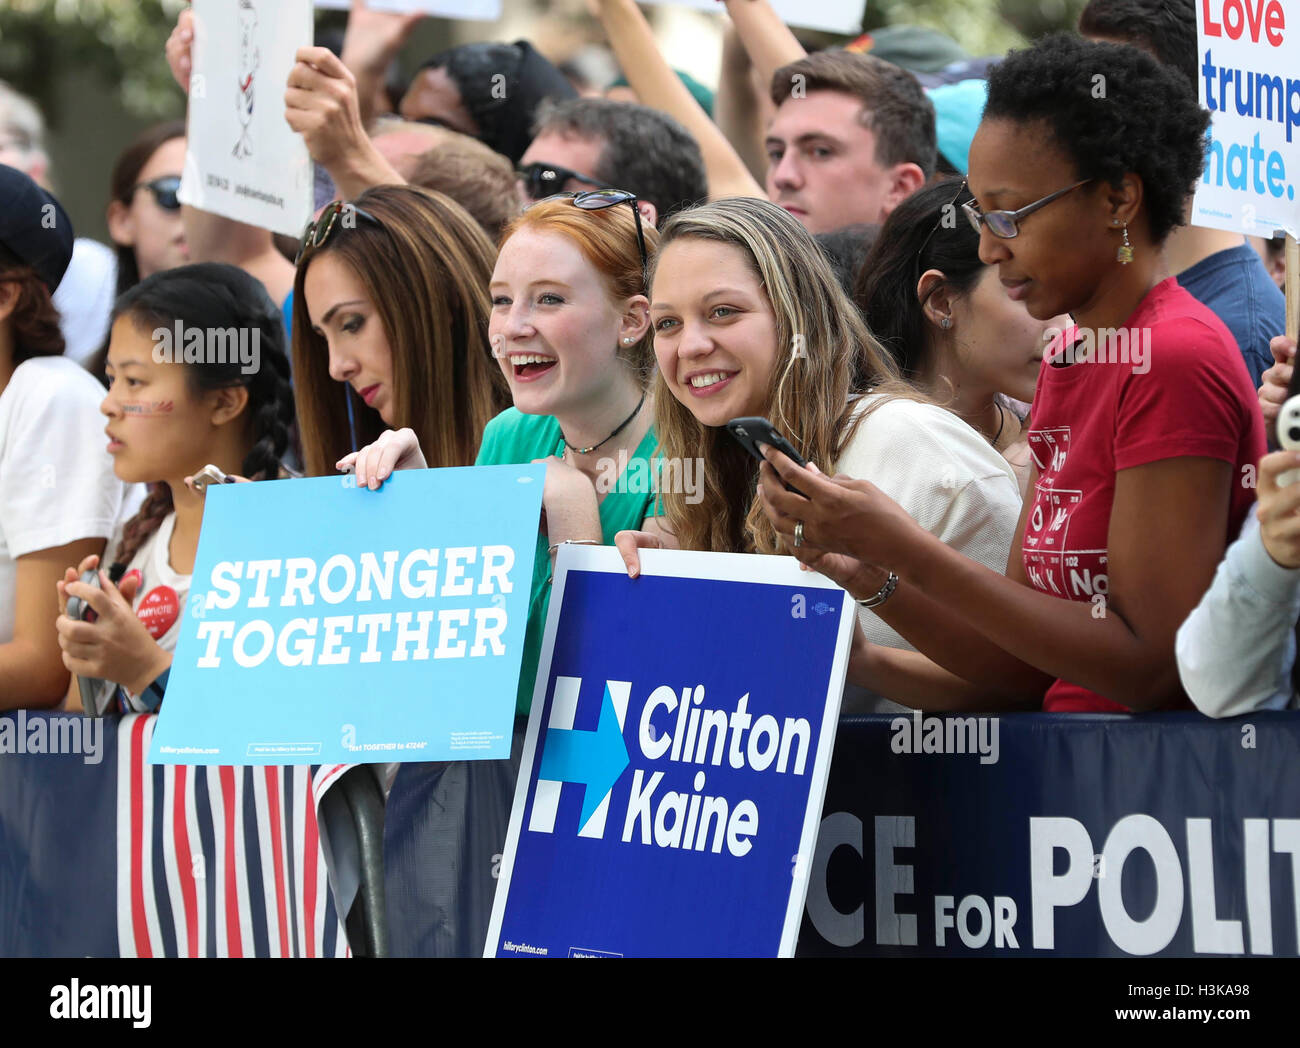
<point x="426" y="268"/>
<point x="825" y="341"/>
<point x="607" y="240"/>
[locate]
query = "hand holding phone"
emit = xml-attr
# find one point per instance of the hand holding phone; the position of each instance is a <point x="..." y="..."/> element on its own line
<point x="753" y="431"/>
<point x="78" y="608"/>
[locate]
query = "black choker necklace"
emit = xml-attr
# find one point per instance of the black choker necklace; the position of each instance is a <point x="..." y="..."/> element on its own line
<point x="621" y="426"/>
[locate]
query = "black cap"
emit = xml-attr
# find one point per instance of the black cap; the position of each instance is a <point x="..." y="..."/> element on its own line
<point x="501" y="86"/>
<point x="34" y="229"/>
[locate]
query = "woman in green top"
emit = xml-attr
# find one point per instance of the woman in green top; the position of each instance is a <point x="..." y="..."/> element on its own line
<point x="570" y="330"/>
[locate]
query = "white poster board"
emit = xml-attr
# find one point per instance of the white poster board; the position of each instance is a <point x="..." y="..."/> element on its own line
<point x="469" y="10"/>
<point x="242" y="160"/>
<point x="1249" y="79"/>
<point x="831" y="16"/>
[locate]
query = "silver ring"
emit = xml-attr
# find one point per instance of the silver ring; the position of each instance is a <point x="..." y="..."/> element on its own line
<point x="798" y="533"/>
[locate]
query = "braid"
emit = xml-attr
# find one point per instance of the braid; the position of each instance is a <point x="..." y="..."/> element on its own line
<point x="153" y="511"/>
<point x="273" y="417"/>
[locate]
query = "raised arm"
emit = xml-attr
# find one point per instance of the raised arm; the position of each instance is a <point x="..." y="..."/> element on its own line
<point x="370" y="45"/>
<point x="740" y="111"/>
<point x="767" y="39"/>
<point x="657" y="86"/>
<point x="322" y="105"/>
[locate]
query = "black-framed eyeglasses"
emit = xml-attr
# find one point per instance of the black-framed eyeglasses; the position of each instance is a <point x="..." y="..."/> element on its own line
<point x="337" y="214"/>
<point x="543" y="180"/>
<point x="1006" y="224"/>
<point x="598" y="200"/>
<point x="164" y="191"/>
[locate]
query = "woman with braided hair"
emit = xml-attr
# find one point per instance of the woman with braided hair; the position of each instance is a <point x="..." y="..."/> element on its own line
<point x="198" y="374"/>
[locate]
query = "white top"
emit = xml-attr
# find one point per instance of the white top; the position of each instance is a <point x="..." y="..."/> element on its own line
<point x="56" y="476"/>
<point x="1236" y="649"/>
<point x="947" y="478"/>
<point x="159" y="599"/>
<point x="84" y="298"/>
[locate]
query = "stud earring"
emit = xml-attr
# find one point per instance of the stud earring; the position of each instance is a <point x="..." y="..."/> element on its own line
<point x="946" y="323"/>
<point x="1124" y="255"/>
<point x="627" y="341"/>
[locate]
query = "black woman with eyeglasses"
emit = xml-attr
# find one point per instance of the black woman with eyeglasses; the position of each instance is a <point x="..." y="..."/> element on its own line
<point x="144" y="216"/>
<point x="1143" y="416"/>
<point x="948" y="321"/>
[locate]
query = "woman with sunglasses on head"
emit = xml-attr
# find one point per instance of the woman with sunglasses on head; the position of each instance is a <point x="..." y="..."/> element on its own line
<point x="947" y="320"/>
<point x="750" y="320"/>
<point x="1138" y="456"/>
<point x="570" y="334"/>
<point x="390" y="328"/>
<point x="167" y="419"/>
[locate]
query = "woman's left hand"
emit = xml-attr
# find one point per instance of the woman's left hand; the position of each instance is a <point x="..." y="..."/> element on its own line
<point x="116" y="646"/>
<point x="839" y="514"/>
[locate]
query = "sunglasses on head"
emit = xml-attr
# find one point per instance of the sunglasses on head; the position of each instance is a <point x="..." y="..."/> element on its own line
<point x="1006" y="224"/>
<point x="164" y="191"/>
<point x="544" y="180"/>
<point x="337" y="214"/>
<point x="598" y="200"/>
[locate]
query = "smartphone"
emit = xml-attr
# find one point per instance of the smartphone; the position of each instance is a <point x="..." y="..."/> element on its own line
<point x="78" y="608"/>
<point x="90" y="687"/>
<point x="754" y="431"/>
<point x="210" y="474"/>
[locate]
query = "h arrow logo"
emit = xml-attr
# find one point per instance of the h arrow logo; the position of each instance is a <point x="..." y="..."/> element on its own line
<point x="593" y="758"/>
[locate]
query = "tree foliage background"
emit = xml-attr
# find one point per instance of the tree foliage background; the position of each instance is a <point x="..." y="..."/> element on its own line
<point x="122" y="40"/>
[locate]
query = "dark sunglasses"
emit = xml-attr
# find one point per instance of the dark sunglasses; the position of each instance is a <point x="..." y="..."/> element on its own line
<point x="337" y="214"/>
<point x="598" y="200"/>
<point x="164" y="191"/>
<point x="1006" y="224"/>
<point x="543" y="180"/>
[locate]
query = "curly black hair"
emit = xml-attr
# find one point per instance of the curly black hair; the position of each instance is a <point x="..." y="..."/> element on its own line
<point x="1113" y="109"/>
<point x="1166" y="28"/>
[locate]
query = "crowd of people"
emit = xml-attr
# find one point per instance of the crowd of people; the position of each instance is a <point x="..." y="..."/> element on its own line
<point x="1025" y="388"/>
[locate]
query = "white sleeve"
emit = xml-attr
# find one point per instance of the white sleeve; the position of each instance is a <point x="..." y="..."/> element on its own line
<point x="56" y="476"/>
<point x="943" y="473"/>
<point x="1236" y="649"/>
<point x="945" y="476"/>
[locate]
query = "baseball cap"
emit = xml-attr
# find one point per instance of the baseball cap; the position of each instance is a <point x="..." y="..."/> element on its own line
<point x="34" y="229"/>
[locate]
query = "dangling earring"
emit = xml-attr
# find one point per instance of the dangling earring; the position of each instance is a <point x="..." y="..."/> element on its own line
<point x="1125" y="253"/>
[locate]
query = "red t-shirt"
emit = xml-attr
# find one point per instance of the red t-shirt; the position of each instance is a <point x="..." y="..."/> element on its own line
<point x="1177" y="387"/>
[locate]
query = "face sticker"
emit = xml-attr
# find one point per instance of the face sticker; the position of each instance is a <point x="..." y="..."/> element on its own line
<point x="148" y="408"/>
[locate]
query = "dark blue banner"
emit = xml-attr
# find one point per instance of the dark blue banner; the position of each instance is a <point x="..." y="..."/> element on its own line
<point x="1059" y="835"/>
